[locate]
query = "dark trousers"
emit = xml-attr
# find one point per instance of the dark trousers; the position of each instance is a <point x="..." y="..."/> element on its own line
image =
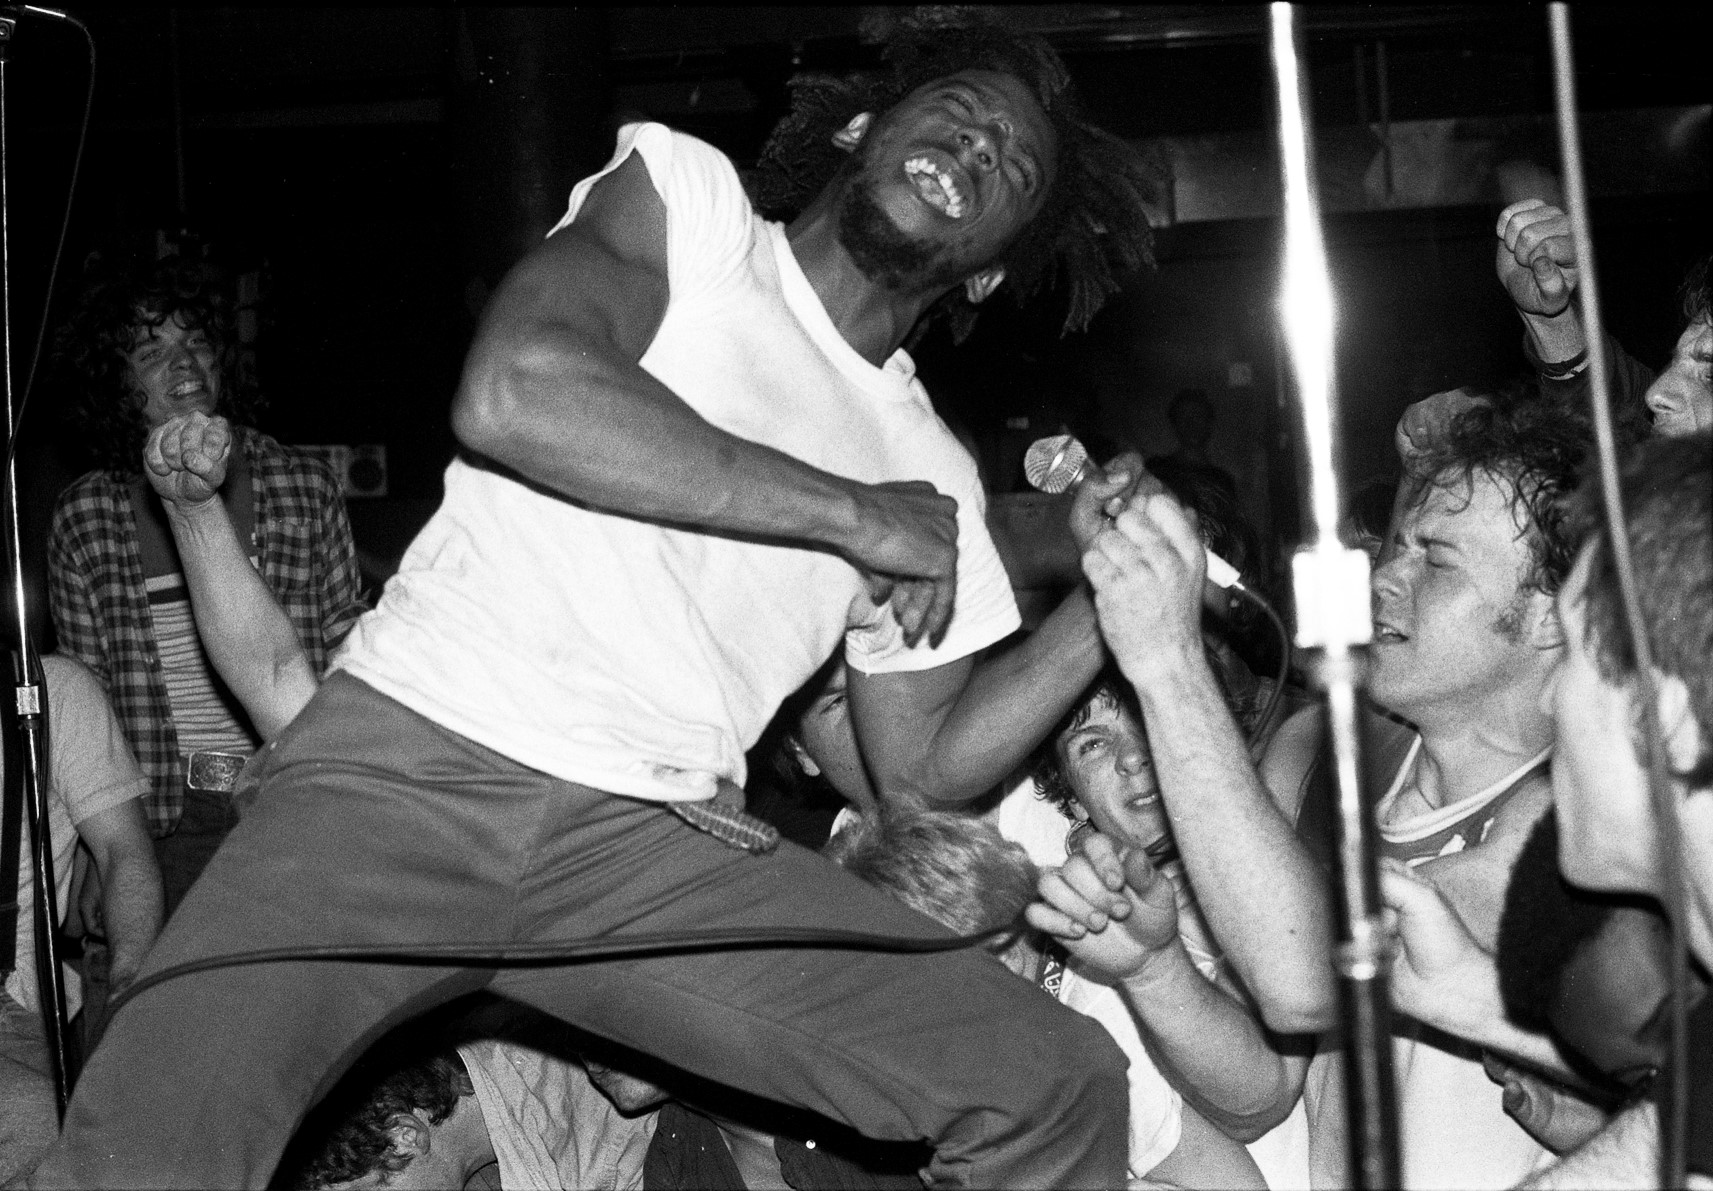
<point x="208" y="818"/>
<point x="375" y="826"/>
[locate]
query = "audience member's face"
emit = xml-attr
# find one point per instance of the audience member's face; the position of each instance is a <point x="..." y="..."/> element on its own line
<point x="173" y="370"/>
<point x="1451" y="621"/>
<point x="827" y="735"/>
<point x="1606" y="836"/>
<point x="1107" y="763"/>
<point x="1681" y="399"/>
<point x="944" y="181"/>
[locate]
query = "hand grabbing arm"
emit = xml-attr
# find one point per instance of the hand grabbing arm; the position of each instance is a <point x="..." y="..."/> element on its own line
<point x="1118" y="914"/>
<point x="946" y="735"/>
<point x="1442" y="976"/>
<point x="1113" y="910"/>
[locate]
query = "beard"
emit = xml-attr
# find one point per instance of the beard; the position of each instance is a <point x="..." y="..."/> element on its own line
<point x="881" y="250"/>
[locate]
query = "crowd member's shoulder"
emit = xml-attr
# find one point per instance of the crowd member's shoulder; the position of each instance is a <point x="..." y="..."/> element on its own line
<point x="70" y="681"/>
<point x="90" y="490"/>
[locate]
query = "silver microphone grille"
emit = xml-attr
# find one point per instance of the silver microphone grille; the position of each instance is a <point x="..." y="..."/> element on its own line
<point x="1054" y="464"/>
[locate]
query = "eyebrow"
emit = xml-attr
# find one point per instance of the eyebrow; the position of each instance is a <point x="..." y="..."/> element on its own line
<point x="1075" y="734"/>
<point x="997" y="102"/>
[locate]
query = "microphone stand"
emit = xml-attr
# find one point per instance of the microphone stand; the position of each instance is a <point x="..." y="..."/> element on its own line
<point x="1330" y="583"/>
<point x="26" y="781"/>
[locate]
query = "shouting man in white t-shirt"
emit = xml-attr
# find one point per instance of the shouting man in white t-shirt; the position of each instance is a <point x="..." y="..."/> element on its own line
<point x="699" y="463"/>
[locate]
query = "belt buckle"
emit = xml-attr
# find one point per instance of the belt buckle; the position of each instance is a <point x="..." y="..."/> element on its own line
<point x="213" y="770"/>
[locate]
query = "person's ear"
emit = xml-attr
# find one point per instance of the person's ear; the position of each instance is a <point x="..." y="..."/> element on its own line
<point x="1684" y="743"/>
<point x="409" y="1136"/>
<point x="981" y="286"/>
<point x="850" y="136"/>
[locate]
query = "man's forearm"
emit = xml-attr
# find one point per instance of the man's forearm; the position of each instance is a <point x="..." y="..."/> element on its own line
<point x="1211" y="1048"/>
<point x="131" y="911"/>
<point x="1625" y="1154"/>
<point x="1262" y="895"/>
<point x="248" y="636"/>
<point x="1012" y="701"/>
<point x="1557" y="338"/>
<point x="606" y="433"/>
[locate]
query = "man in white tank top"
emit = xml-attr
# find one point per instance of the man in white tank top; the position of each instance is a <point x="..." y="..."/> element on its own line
<point x="700" y="463"/>
<point x="1466" y="637"/>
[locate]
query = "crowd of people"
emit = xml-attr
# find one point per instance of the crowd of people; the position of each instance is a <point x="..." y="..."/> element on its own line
<point x="708" y="661"/>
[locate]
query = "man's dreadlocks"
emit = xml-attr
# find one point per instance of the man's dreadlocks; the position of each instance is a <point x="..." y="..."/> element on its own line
<point x="1093" y="229"/>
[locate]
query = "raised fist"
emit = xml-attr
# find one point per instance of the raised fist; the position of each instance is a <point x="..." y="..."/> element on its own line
<point x="1536" y="257"/>
<point x="185" y="458"/>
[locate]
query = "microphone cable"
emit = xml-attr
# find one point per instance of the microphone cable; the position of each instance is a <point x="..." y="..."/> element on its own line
<point x="1259" y="732"/>
<point x="1673" y="1115"/>
<point x="568" y="952"/>
<point x="64" y="227"/>
<point x="560" y="952"/>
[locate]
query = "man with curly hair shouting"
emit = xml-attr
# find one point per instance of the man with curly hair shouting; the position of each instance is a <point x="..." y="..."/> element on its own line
<point x="699" y="462"/>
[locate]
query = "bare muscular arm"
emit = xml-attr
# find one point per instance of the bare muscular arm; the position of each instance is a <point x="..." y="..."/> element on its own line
<point x="553" y="389"/>
<point x="947" y="735"/>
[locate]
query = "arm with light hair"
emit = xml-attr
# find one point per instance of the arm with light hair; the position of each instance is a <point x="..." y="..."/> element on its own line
<point x="1262" y="894"/>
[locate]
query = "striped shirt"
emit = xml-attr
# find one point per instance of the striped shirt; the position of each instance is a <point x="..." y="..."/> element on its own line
<point x="203" y="710"/>
<point x="100" y="603"/>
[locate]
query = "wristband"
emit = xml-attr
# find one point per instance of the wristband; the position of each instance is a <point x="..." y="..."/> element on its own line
<point x="1565" y="369"/>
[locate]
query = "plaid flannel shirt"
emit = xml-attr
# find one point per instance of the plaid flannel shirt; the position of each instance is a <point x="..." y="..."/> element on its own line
<point x="101" y="608"/>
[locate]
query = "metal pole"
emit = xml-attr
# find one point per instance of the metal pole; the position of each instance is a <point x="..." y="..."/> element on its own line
<point x="26" y="670"/>
<point x="1330" y="583"/>
<point x="1673" y="1117"/>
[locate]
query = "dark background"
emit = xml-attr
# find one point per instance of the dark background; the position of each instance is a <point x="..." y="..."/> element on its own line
<point x="373" y="171"/>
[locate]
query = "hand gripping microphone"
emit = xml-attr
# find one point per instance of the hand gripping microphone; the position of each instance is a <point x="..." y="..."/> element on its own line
<point x="1059" y="463"/>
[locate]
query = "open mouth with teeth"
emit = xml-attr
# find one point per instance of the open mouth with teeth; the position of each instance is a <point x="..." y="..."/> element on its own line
<point x="938" y="186"/>
<point x="1142" y="804"/>
<point x="1385" y="634"/>
<point x="186" y="388"/>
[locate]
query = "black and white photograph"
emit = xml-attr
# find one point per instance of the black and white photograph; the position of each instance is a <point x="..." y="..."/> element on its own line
<point x="856" y="598"/>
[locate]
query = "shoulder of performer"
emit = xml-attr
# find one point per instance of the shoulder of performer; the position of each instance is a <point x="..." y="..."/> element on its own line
<point x="711" y="224"/>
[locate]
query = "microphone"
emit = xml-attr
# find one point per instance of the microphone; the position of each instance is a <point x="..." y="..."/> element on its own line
<point x="1059" y="463"/>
